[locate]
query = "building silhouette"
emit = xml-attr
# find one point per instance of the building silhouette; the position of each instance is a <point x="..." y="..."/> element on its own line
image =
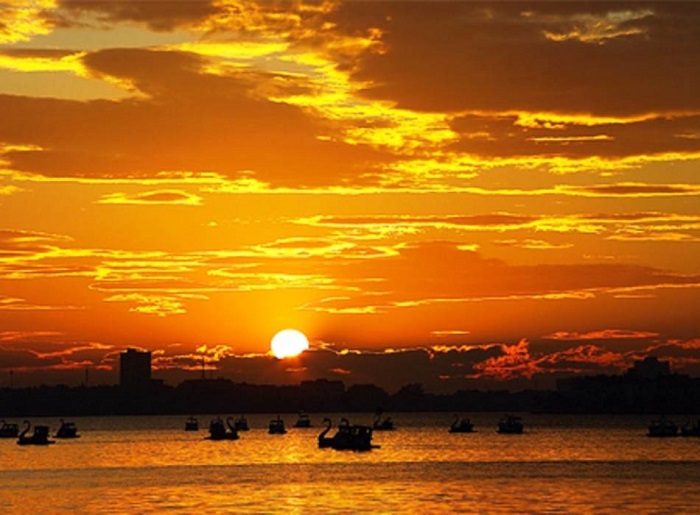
<point x="134" y="369"/>
<point x="648" y="386"/>
<point x="650" y="368"/>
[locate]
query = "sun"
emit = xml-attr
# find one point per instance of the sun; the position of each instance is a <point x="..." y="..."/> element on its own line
<point x="288" y="343"/>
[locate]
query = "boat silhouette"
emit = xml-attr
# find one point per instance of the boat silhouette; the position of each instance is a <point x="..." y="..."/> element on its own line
<point x="192" y="424"/>
<point x="276" y="426"/>
<point x="67" y="430"/>
<point x="382" y="425"/>
<point x="662" y="427"/>
<point x="303" y="421"/>
<point x="40" y="436"/>
<point x="347" y="438"/>
<point x="461" y="425"/>
<point x="8" y="430"/>
<point x="691" y="429"/>
<point x="241" y="424"/>
<point x="219" y="431"/>
<point x="510" y="425"/>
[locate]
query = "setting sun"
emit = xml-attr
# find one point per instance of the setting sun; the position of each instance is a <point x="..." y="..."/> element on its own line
<point x="288" y="343"/>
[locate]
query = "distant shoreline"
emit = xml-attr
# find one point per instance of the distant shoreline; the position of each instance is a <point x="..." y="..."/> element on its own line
<point x="671" y="394"/>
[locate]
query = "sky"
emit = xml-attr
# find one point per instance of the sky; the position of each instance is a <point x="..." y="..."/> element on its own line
<point x="453" y="193"/>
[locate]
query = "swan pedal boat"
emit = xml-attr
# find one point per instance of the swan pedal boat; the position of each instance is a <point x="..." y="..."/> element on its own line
<point x="510" y="425"/>
<point x="662" y="428"/>
<point x="9" y="430"/>
<point x="191" y="424"/>
<point x="241" y="424"/>
<point x="67" y="430"/>
<point x="347" y="438"/>
<point x="40" y="436"/>
<point x="218" y="431"/>
<point x="303" y="421"/>
<point x="383" y="425"/>
<point x="461" y="425"/>
<point x="691" y="429"/>
<point x="276" y="426"/>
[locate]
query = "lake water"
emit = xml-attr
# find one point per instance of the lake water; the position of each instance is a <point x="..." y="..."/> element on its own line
<point x="562" y="464"/>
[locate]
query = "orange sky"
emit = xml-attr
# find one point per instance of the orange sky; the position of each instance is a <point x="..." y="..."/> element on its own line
<point x="451" y="193"/>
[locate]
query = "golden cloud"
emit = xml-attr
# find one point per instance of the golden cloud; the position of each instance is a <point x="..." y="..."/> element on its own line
<point x="604" y="334"/>
<point x="21" y="20"/>
<point x="157" y="197"/>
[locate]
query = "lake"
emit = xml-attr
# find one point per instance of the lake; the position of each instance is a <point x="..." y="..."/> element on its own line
<point x="563" y="463"/>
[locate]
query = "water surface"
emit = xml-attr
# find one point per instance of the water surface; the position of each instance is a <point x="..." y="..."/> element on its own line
<point x="150" y="464"/>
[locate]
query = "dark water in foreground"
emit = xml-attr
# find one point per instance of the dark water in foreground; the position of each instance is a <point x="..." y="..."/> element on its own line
<point x="563" y="464"/>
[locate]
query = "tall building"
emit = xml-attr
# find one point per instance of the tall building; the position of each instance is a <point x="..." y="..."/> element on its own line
<point x="650" y="368"/>
<point x="134" y="369"/>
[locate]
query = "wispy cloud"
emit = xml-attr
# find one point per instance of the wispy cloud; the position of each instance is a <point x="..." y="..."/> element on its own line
<point x="604" y="334"/>
<point x="9" y="190"/>
<point x="20" y="304"/>
<point x="600" y="28"/>
<point x="155" y="304"/>
<point x="158" y="197"/>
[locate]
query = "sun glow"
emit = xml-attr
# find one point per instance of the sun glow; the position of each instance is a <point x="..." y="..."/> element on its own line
<point x="288" y="343"/>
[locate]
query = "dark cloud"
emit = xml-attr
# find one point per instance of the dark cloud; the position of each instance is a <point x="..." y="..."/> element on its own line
<point x="495" y="135"/>
<point x="491" y="60"/>
<point x="638" y="189"/>
<point x="163" y="196"/>
<point x="492" y="219"/>
<point x="25" y="359"/>
<point x="496" y="56"/>
<point x="159" y="15"/>
<point x="224" y="128"/>
<point x="650" y="216"/>
<point x="465" y="274"/>
<point x="438" y="369"/>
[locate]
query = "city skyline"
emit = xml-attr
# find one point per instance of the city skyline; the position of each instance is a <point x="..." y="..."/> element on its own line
<point x="649" y="386"/>
<point x="457" y="194"/>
